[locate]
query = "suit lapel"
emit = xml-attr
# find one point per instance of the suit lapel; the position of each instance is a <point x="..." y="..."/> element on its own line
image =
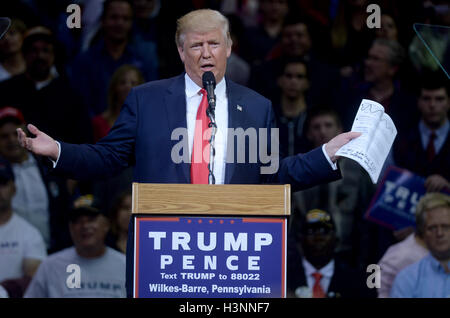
<point x="445" y="147"/>
<point x="175" y="105"/>
<point x="234" y="121"/>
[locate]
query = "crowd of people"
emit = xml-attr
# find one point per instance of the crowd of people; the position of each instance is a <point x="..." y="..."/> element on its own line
<point x="314" y="60"/>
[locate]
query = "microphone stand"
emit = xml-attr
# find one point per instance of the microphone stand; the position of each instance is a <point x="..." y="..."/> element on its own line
<point x="210" y="112"/>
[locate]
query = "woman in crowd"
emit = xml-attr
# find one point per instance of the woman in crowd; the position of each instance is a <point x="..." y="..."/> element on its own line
<point x="123" y="79"/>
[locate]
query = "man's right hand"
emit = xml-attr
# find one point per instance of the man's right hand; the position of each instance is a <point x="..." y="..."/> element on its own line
<point x="42" y="144"/>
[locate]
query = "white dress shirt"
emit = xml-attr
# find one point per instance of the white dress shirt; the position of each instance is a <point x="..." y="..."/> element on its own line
<point x="441" y="135"/>
<point x="327" y="271"/>
<point x="193" y="99"/>
<point x="31" y="199"/>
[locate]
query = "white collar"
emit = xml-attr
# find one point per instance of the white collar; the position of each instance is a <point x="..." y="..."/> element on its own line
<point x="192" y="88"/>
<point x="327" y="270"/>
<point x="53" y="74"/>
<point x="441" y="131"/>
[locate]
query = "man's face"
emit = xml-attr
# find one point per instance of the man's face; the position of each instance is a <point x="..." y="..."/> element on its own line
<point x="39" y="59"/>
<point x="322" y="129"/>
<point x="293" y="82"/>
<point x="434" y="106"/>
<point x="88" y="232"/>
<point x="437" y="232"/>
<point x="202" y="52"/>
<point x="318" y="243"/>
<point x="10" y="148"/>
<point x="117" y="21"/>
<point x="377" y="66"/>
<point x="295" y="40"/>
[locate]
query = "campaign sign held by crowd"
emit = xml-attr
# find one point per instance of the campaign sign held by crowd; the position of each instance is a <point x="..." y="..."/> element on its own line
<point x="394" y="203"/>
<point x="209" y="257"/>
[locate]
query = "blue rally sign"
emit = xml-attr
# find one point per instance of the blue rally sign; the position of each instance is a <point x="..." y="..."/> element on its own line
<point x="394" y="203"/>
<point x="209" y="257"/>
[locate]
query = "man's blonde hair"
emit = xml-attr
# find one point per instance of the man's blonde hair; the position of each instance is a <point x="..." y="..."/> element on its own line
<point x="203" y="20"/>
<point x="428" y="202"/>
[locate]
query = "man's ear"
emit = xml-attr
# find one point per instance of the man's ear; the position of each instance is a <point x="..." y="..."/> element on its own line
<point x="181" y="53"/>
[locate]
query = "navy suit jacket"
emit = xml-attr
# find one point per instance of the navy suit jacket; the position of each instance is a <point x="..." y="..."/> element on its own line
<point x="141" y="137"/>
<point x="410" y="154"/>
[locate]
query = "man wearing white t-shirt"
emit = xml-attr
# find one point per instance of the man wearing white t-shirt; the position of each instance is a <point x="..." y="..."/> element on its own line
<point x="89" y="269"/>
<point x="21" y="245"/>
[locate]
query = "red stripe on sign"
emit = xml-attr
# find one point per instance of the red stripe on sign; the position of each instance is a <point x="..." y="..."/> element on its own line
<point x="283" y="265"/>
<point x="256" y="220"/>
<point x="167" y="219"/>
<point x="136" y="262"/>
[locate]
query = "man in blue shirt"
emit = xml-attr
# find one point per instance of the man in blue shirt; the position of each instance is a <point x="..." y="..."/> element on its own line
<point x="430" y="277"/>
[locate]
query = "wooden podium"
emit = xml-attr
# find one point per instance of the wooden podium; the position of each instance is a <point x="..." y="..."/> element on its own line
<point x="224" y="241"/>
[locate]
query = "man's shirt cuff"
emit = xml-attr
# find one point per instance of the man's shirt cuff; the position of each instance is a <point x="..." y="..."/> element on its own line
<point x="59" y="154"/>
<point x="333" y="165"/>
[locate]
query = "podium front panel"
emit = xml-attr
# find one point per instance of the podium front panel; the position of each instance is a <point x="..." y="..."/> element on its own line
<point x="209" y="257"/>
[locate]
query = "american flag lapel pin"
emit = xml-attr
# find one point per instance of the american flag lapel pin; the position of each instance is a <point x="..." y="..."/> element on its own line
<point x="239" y="108"/>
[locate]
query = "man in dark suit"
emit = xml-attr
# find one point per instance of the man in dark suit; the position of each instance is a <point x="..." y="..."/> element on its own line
<point x="313" y="270"/>
<point x="156" y="114"/>
<point x="425" y="148"/>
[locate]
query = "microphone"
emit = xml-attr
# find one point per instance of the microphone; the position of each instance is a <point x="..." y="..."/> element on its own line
<point x="209" y="84"/>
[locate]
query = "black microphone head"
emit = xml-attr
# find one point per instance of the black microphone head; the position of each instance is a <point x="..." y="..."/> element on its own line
<point x="208" y="79"/>
<point x="4" y="25"/>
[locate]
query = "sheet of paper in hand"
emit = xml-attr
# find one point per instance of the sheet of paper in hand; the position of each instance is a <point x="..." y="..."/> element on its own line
<point x="370" y="149"/>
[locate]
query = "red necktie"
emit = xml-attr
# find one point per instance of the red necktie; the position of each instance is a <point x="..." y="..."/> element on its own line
<point x="200" y="148"/>
<point x="431" y="152"/>
<point x="317" y="288"/>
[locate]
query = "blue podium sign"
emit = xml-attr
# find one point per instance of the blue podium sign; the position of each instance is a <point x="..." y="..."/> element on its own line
<point x="209" y="257"/>
<point x="394" y="204"/>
